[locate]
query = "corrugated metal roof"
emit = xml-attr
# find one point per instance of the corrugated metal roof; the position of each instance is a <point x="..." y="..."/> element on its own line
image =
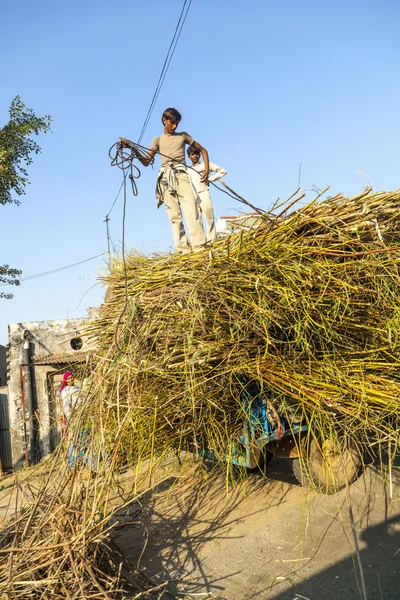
<point x="59" y="359"/>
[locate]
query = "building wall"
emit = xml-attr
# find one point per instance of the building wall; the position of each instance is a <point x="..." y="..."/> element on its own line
<point x="47" y="339"/>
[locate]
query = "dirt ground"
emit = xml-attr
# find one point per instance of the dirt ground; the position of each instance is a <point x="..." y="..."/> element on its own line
<point x="269" y="538"/>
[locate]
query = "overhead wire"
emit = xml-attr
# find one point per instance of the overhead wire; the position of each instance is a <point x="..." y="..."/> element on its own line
<point x="120" y="160"/>
<point x="116" y="198"/>
<point x="167" y="62"/>
<point x="45" y="273"/>
<point x="124" y="160"/>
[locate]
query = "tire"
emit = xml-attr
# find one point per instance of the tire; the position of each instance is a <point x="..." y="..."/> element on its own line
<point x="264" y="460"/>
<point x="240" y="472"/>
<point x="328" y="467"/>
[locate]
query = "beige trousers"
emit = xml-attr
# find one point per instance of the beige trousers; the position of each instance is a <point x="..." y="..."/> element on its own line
<point x="206" y="208"/>
<point x="185" y="202"/>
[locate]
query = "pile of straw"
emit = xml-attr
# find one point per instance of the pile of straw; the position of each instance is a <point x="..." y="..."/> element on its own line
<point x="305" y="303"/>
<point x="63" y="544"/>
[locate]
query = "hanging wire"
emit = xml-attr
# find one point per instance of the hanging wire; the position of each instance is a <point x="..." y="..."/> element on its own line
<point x="167" y="62"/>
<point x="125" y="272"/>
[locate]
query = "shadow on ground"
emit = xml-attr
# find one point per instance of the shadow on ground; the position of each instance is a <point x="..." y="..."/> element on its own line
<point x="380" y="561"/>
<point x="180" y="521"/>
<point x="267" y="538"/>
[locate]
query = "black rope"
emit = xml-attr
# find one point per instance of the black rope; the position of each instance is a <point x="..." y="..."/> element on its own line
<point x="123" y="158"/>
<point x="125" y="273"/>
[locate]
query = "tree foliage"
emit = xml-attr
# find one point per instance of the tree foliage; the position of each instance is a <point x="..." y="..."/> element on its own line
<point x="16" y="150"/>
<point x="8" y="276"/>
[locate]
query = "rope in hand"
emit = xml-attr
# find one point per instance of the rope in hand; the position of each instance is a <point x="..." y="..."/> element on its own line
<point x="123" y="159"/>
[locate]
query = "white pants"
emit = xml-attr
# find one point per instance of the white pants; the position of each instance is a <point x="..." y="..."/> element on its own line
<point x="185" y="201"/>
<point x="206" y="209"/>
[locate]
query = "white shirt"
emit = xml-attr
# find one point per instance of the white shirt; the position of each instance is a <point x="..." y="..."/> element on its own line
<point x="195" y="175"/>
<point x="69" y="396"/>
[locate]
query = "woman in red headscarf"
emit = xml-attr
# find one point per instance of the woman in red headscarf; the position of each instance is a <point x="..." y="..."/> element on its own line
<point x="69" y="396"/>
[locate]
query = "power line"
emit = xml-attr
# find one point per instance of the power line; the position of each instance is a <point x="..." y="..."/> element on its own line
<point x="125" y="162"/>
<point x="167" y="62"/>
<point x="45" y="273"/>
<point x="121" y="161"/>
<point x="116" y="198"/>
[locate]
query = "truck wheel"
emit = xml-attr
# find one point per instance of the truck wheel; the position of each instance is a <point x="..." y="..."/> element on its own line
<point x="264" y="460"/>
<point x="328" y="467"/>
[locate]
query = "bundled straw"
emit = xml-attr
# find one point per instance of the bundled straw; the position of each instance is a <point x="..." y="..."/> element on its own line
<point x="305" y="303"/>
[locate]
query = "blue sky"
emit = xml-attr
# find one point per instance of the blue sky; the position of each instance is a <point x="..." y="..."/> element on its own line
<point x="262" y="85"/>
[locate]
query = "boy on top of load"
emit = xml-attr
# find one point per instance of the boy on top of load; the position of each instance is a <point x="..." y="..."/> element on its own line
<point x="174" y="187"/>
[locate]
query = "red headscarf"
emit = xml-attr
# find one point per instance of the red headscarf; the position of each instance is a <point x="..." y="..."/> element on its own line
<point x="64" y="379"/>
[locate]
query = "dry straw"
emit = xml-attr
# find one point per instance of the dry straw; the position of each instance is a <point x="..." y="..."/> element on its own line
<point x="305" y="303"/>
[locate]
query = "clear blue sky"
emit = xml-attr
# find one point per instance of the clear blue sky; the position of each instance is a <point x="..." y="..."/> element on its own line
<point x="262" y="85"/>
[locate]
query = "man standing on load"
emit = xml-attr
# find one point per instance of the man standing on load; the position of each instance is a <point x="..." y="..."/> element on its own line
<point x="203" y="189"/>
<point x="174" y="187"/>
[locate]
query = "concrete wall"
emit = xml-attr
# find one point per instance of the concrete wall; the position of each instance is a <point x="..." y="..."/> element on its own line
<point x="47" y="340"/>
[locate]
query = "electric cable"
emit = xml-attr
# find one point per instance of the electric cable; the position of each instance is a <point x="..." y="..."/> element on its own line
<point x="167" y="62"/>
<point x="45" y="273"/>
<point x="123" y="160"/>
<point x="116" y="198"/>
<point x="113" y="245"/>
<point x="116" y="243"/>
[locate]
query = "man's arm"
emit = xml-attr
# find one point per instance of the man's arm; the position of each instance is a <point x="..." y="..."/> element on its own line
<point x="219" y="172"/>
<point x="204" y="153"/>
<point x="145" y="158"/>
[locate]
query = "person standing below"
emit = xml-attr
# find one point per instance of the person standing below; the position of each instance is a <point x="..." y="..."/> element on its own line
<point x="69" y="396"/>
<point x="174" y="187"/>
<point x="203" y="189"/>
<point x="76" y="442"/>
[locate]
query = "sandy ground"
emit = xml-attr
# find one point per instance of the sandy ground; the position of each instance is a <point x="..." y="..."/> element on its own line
<point x="269" y="538"/>
<point x="18" y="490"/>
